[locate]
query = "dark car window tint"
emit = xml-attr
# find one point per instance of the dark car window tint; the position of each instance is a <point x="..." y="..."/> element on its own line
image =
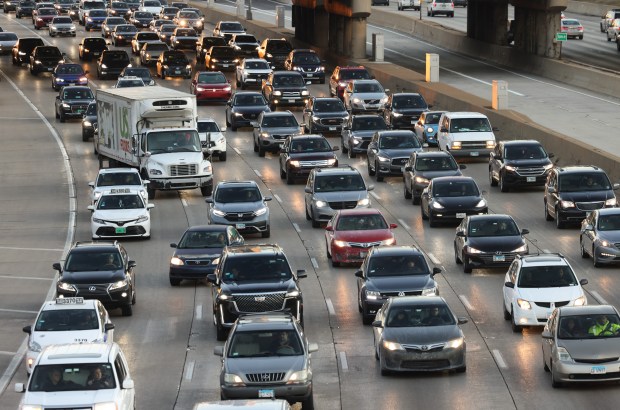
<point x="253" y="268"/>
<point x="373" y="123"/>
<point x="8" y="36"/>
<point x="435" y="164"/>
<point x="609" y="223"/>
<point x="278" y="46"/>
<point x="78" y="95"/>
<point x="235" y="194"/>
<point x="546" y="277"/>
<point x="354" y="75"/>
<point x="288" y="80"/>
<point x="584" y="182"/>
<point x="92" y="109"/>
<point x="118" y="178"/>
<point x="470" y="125"/>
<point x="328" y="106"/>
<point x="249" y="100"/>
<point x="414" y="101"/>
<point x="66" y="320"/>
<point x="211" y="78"/>
<point x="202" y="239"/>
<point x="156" y="47"/>
<point x="310" y="145"/>
<point x="368" y="88"/>
<point x="480" y="228"/>
<point x="280" y="121"/>
<point x="397" y="265"/>
<point x="208" y="127"/>
<point x="120" y="202"/>
<point x="309" y="58"/>
<point x="74" y="376"/>
<point x="398" y="141"/>
<point x="331" y="183"/>
<point x="245" y="39"/>
<point x="265" y="343"/>
<point x="455" y="188"/>
<point x="589" y="326"/>
<point x="69" y="69"/>
<point x="231" y="27"/>
<point x="361" y="223"/>
<point x="525" y="152"/>
<point x="432" y="118"/>
<point x="222" y="52"/>
<point x="91" y="261"/>
<point x="256" y="65"/>
<point x="98" y="13"/>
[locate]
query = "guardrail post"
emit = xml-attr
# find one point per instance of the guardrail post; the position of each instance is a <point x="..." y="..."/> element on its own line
<point x="500" y="95"/>
<point x="280" y="16"/>
<point x="432" y="68"/>
<point x="377" y="47"/>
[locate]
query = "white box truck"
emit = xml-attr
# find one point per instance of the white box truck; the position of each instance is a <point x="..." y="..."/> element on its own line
<point x="154" y="130"/>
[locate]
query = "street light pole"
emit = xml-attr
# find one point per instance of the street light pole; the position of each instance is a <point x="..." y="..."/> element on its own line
<point x="248" y="15"/>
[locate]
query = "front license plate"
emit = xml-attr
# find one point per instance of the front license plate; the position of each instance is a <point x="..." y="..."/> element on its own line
<point x="413" y="121"/>
<point x="96" y="53"/>
<point x="240" y="226"/>
<point x="265" y="394"/>
<point x="224" y="65"/>
<point x="363" y="254"/>
<point x="461" y="215"/>
<point x="177" y="71"/>
<point x="310" y="75"/>
<point x="598" y="370"/>
<point x="291" y="101"/>
<point x="121" y="230"/>
<point x="332" y="128"/>
<point x="499" y="258"/>
<point x="474" y="154"/>
<point x="50" y="68"/>
<point x="530" y="179"/>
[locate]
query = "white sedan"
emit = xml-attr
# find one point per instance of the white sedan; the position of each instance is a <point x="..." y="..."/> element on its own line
<point x="121" y="212"/>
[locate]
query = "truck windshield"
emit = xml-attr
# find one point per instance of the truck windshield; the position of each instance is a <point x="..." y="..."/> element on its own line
<point x="173" y="141"/>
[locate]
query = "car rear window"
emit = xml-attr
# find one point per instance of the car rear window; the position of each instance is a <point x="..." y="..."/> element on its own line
<point x="279" y="46"/>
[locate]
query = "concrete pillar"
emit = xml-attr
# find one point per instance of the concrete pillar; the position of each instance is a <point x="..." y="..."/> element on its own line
<point x="358" y="37"/>
<point x="321" y="28"/>
<point x="280" y="16"/>
<point x="240" y="9"/>
<point x="499" y="100"/>
<point x="535" y="30"/>
<point x="377" y="47"/>
<point x="432" y="68"/>
<point x="346" y="37"/>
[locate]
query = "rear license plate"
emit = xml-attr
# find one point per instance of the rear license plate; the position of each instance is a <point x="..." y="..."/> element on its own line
<point x="474" y="154"/>
<point x="121" y="230"/>
<point x="530" y="179"/>
<point x="291" y="100"/>
<point x="332" y="128"/>
<point x="240" y="226"/>
<point x="461" y="215"/>
<point x="265" y="394"/>
<point x="499" y="258"/>
<point x="598" y="370"/>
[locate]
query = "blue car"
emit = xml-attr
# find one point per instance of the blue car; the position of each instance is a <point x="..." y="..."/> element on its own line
<point x="426" y="127"/>
<point x="95" y="19"/>
<point x="68" y="74"/>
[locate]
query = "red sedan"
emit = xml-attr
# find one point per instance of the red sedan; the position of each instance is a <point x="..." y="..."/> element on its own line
<point x="44" y="17"/>
<point x="352" y="232"/>
<point x="210" y="86"/>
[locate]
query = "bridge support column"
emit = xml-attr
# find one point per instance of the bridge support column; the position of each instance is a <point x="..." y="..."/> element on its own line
<point x="358" y="37"/>
<point x="321" y="28"/>
<point x="534" y="31"/>
<point x="480" y="15"/>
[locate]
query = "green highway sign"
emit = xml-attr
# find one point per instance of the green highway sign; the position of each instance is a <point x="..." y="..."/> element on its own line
<point x="561" y="37"/>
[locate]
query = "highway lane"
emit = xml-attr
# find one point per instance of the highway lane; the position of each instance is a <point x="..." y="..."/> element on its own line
<point x="171" y="327"/>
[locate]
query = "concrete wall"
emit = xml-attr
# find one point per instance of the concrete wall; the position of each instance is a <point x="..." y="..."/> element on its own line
<point x="589" y="9"/>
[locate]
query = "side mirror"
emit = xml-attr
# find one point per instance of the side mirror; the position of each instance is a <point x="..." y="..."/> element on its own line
<point x="359" y="274"/>
<point x="267" y="199"/>
<point x="443" y="129"/>
<point x="27" y="329"/>
<point x="212" y="278"/>
<point x="393" y="226"/>
<point x="387" y="90"/>
<point x="131" y="264"/>
<point x="108" y="326"/>
<point x="583" y="282"/>
<point x="150" y="206"/>
<point x="546" y="334"/>
<point x="509" y="285"/>
<point x="551" y="155"/>
<point x="91" y="184"/>
<point x="336" y="148"/>
<point x="462" y="166"/>
<point x="525" y="231"/>
<point x="370" y="188"/>
<point x="312" y="347"/>
<point x="128" y="384"/>
<point x="436" y="271"/>
<point x="408" y="168"/>
<point x="376" y="323"/>
<point x="495" y="129"/>
<point x="218" y="350"/>
<point x="87" y="72"/>
<point x="307" y="190"/>
<point x="461" y="234"/>
<point x="173" y="245"/>
<point x="616" y="186"/>
<point x="301" y="273"/>
<point x="56" y="266"/>
<point x="462" y="320"/>
<point x="329" y="228"/>
<point x="425" y="145"/>
<point x="20" y="388"/>
<point x="209" y="200"/>
<point x="430" y="106"/>
<point x="588" y="227"/>
<point x="58" y="97"/>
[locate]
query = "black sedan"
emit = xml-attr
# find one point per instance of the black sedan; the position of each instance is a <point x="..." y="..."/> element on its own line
<point x="243" y="108"/>
<point x="450" y="199"/>
<point x="403" y="110"/>
<point x="600" y="232"/>
<point x="389" y="151"/>
<point x="419" y="334"/>
<point x="198" y="251"/>
<point x="424" y="166"/>
<point x="390" y="271"/>
<point x="72" y="102"/>
<point x="123" y="33"/>
<point x="488" y="241"/>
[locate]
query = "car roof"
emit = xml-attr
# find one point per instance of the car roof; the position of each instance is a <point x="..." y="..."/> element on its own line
<point x="77" y="353"/>
<point x="406" y="94"/>
<point x="277" y="113"/>
<point x="359" y="211"/>
<point x="579" y="168"/>
<point x="246" y="404"/>
<point x="236" y="183"/>
<point x="454" y="178"/>
<point x="115" y="170"/>
<point x="365" y="81"/>
<point x="586" y="310"/>
<point x="438" y="154"/>
<point x="207" y="228"/>
<point x="489" y="217"/>
<point x="344" y="169"/>
<point x="254" y="249"/>
<point x="394" y="132"/>
<point x="464" y="114"/>
<point x="544" y="259"/>
<point x="307" y="137"/>
<point x="395" y="250"/>
<point x="263" y="321"/>
<point x="417" y="300"/>
<point x="520" y="142"/>
<point x="90" y="245"/>
<point x="608" y="211"/>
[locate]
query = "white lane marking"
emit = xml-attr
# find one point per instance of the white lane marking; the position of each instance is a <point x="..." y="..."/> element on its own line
<point x="184" y="202"/>
<point x="433" y="259"/>
<point x="189" y="371"/>
<point x="499" y="359"/>
<point x="375" y="195"/>
<point x="343" y="361"/>
<point x="94" y="84"/>
<point x="32" y="312"/>
<point x="466" y="303"/>
<point x="257" y="172"/>
<point x="23" y="277"/>
<point x="330" y="307"/>
<point x="7" y="353"/>
<point x="598" y="297"/>
<point x="315" y="264"/>
<point x="277" y="198"/>
<point x="297" y="228"/>
<point x="237" y="151"/>
<point x="20" y="119"/>
<point x="199" y="312"/>
<point x="31" y="249"/>
<point x="404" y="224"/>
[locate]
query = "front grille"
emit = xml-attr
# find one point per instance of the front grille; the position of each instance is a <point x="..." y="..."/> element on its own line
<point x="111" y="231"/>
<point x="313" y="164"/>
<point x="197" y="262"/>
<point x="364" y="244"/>
<point x="597" y="361"/>
<point x="310" y="69"/>
<point x="239" y="216"/>
<point x="250" y="116"/>
<point x="530" y="171"/>
<point x="589" y="206"/>
<point x="257" y="76"/>
<point x="78" y="108"/>
<point x="183" y="170"/>
<point x="425" y="364"/>
<point x="372" y="101"/>
<point x="265" y="377"/>
<point x="100" y="289"/>
<point x="343" y="205"/>
<point x="437" y="347"/>
<point x="473" y="144"/>
<point x="488" y="258"/>
<point x="289" y="94"/>
<point x="68" y="408"/>
<point x="260" y="302"/>
<point x="587" y="376"/>
<point x="394" y="294"/>
<point x="278" y="136"/>
<point x="548" y="304"/>
<point x="331" y="121"/>
<point x="399" y="161"/>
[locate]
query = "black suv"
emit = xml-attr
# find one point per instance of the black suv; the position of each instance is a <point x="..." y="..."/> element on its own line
<point x="23" y="49"/>
<point x="302" y="153"/>
<point x="275" y="51"/>
<point x="24" y="8"/>
<point x="111" y="63"/>
<point x="254" y="279"/>
<point x="571" y="193"/>
<point x="204" y="44"/>
<point x="325" y="115"/>
<point x="221" y="58"/>
<point x="519" y="163"/>
<point x="10" y="5"/>
<point x="72" y="102"/>
<point x="283" y="88"/>
<point x="422" y="167"/>
<point x="89" y="120"/>
<point x="403" y="110"/>
<point x="308" y="63"/>
<point x="391" y="271"/>
<point x="45" y="59"/>
<point x="91" y="47"/>
<point x="99" y="270"/>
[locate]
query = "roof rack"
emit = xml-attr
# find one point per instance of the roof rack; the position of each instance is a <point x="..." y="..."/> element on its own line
<point x="344" y="166"/>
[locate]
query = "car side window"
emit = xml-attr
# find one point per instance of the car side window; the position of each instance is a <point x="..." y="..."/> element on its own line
<point x="512" y="272"/>
<point x="120" y="369"/>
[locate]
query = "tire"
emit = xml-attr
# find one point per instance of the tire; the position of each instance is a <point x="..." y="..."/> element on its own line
<point x="423" y="214"/>
<point x="335" y="264"/>
<point x="366" y="320"/>
<point x="406" y="192"/>
<point x="558" y="222"/>
<point x="261" y="151"/>
<point x="308" y="404"/>
<point x="222" y="156"/>
<point x="315" y="223"/>
<point x="432" y="221"/>
<point x="370" y="171"/>
<point x="515" y="328"/>
<point x="506" y="312"/>
<point x="379" y="176"/>
<point x="384" y="371"/>
<point x="220" y="331"/>
<point x="344" y="147"/>
<point x="608" y="38"/>
<point x="308" y="217"/>
<point x="174" y="281"/>
<point x="351" y="153"/>
<point x="595" y="259"/>
<point x="555" y="384"/>
<point x="327" y="252"/>
<point x="457" y="259"/>
<point x="150" y="192"/>
<point x="547" y="215"/>
<point x="267" y="233"/>
<point x="617" y="44"/>
<point x="545" y="367"/>
<point x="580" y="37"/>
<point x="206" y="190"/>
<point x="61" y="117"/>
<point x="461" y="369"/>
<point x="415" y="200"/>
<point x="584" y="254"/>
<point x="502" y="184"/>
<point x="84" y="137"/>
<point x="467" y="268"/>
<point x="127" y="310"/>
<point x="233" y="127"/>
<point x="290" y="179"/>
<point x="492" y="180"/>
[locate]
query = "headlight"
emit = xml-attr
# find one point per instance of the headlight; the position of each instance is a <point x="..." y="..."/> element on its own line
<point x="567" y="204"/>
<point x="89" y="19"/>
<point x="548" y="166"/>
<point x="217" y="212"/>
<point x="305" y="92"/>
<point x="363" y="202"/>
<point x="99" y="221"/>
<point x="315" y="118"/>
<point x="268" y="55"/>
<point x="604" y="243"/>
<point x="429" y="130"/>
<point x="421" y="180"/>
<point x="261" y="211"/>
<point x="510" y="168"/>
<point x="264" y="135"/>
<point x="392" y="346"/>
<point x="357" y="100"/>
<point x="105" y="406"/>
<point x="66" y="286"/>
<point x="89" y="124"/>
<point x="118" y="285"/>
<point x="521" y="248"/>
<point x="437" y="205"/>
<point x="297" y="68"/>
<point x="429" y="291"/>
<point x="490" y="144"/>
<point x="278" y="93"/>
<point x="165" y="66"/>
<point x="21" y="53"/>
<point x="208" y="169"/>
<point x="230" y="378"/>
<point x="189" y="66"/>
<point x="341" y="244"/>
<point x="31" y="407"/>
<point x="104" y="66"/>
<point x="60" y="80"/>
<point x="238" y="114"/>
<point x="481" y="204"/>
<point x="456" y="145"/>
<point x="37" y="61"/>
<point x="83" y="79"/>
<point x="382" y="158"/>
<point x="384" y="100"/>
<point x="473" y="250"/>
<point x="388" y="242"/>
<point x="155" y="172"/>
<point x="563" y="354"/>
<point x="66" y="106"/>
<point x="524" y="304"/>
<point x="143" y="218"/>
<point x="299" y="377"/>
<point x="292" y="294"/>
<point x="342" y="84"/>
<point x="320" y="204"/>
<point x="294" y="163"/>
<point x="34" y="346"/>
<point x="396" y="114"/>
<point x="372" y="295"/>
<point x="176" y="261"/>
<point x="227" y="88"/>
<point x="455" y="343"/>
<point x="611" y="202"/>
<point x="580" y="301"/>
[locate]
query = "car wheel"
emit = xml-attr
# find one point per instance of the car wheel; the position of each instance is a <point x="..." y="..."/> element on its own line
<point x="513" y="325"/>
<point x="467" y="267"/>
<point x="150" y="193"/>
<point x="545" y="367"/>
<point x="315" y="222"/>
<point x="502" y="184"/>
<point x="308" y="404"/>
<point x="222" y="156"/>
<point x="406" y="192"/>
<point x="174" y="281"/>
<point x="547" y="215"/>
<point x="84" y="137"/>
<point x="415" y="199"/>
<point x="584" y="254"/>
<point x="206" y="190"/>
<point x="261" y="151"/>
<point x="595" y="259"/>
<point x="233" y="127"/>
<point x="506" y="312"/>
<point x="61" y="117"/>
<point x="127" y="310"/>
<point x="351" y="153"/>
<point x="580" y="37"/>
<point x="282" y="173"/>
<point x="554" y="383"/>
<point x="266" y="233"/>
<point x="329" y="254"/>
<point x="461" y="369"/>
<point x="457" y="259"/>
<point x="422" y="213"/>
<point x="618" y="44"/>
<point x="492" y="180"/>
<point x="371" y="172"/>
<point x="344" y="147"/>
<point x="558" y="222"/>
<point x="290" y="179"/>
<point x="308" y="217"/>
<point x="379" y="176"/>
<point x="220" y="331"/>
<point x="335" y="264"/>
<point x="432" y="220"/>
<point x="384" y="370"/>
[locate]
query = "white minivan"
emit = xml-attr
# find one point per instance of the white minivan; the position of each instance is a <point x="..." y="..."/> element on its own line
<point x="465" y="134"/>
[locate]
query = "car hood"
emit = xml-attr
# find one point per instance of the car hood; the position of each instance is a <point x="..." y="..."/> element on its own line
<point x="281" y="130"/>
<point x="588" y="196"/>
<point x="8" y="43"/>
<point x="368" y="96"/>
<point x="374" y="235"/>
<point x="423" y="335"/>
<point x="312" y="156"/>
<point x="331" y="114"/>
<point x="214" y="136"/>
<point x="258" y="286"/>
<point x="588" y="349"/>
<point x="341" y="196"/>
<point x="250" y="109"/>
<point x="558" y="294"/>
<point x="57" y="338"/>
<point x="496" y="243"/>
<point x="527" y="162"/>
<point x="238" y="206"/>
<point x="71" y="399"/>
<point x="366" y="134"/>
<point x="93" y="276"/>
<point x="271" y="364"/>
<point x="398" y="153"/>
<point x="198" y="253"/>
<point x="458" y="202"/>
<point x="435" y="174"/>
<point x="400" y="283"/>
<point x="120" y="214"/>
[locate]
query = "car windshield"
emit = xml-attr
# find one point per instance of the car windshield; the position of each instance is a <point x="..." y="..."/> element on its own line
<point x="609" y="222"/>
<point x="306" y="58"/>
<point x="368" y="88"/>
<point x="83" y="94"/>
<point x="249" y="100"/>
<point x="72" y="377"/>
<point x="336" y="183"/>
<point x="114" y="21"/>
<point x="238" y="195"/>
<point x="48" y="52"/>
<point x="126" y="29"/>
<point x="152" y="4"/>
<point x="176" y="58"/>
<point x="124" y="83"/>
<point x="419" y="316"/>
<point x="231" y="27"/>
<point x="141" y="72"/>
<point x="546" y="277"/>
<point x="410" y="101"/>
<point x="114" y="57"/>
<point x="62" y="20"/>
<point x="173" y="141"/>
<point x="470" y="125"/>
<point x="168" y="28"/>
<point x="370" y="124"/>
<point x="596" y="326"/>
<point x="156" y="47"/>
<point x="584" y="182"/>
<point x="202" y="239"/>
<point x="188" y="14"/>
<point x="310" y="145"/>
<point x="399" y="141"/>
<point x="278" y="46"/>
<point x="436" y="164"/>
<point x="288" y="80"/>
<point x="265" y="343"/>
<point x="256" y="65"/>
<point x="490" y="227"/>
<point x="208" y="126"/>
<point x="147" y="36"/>
<point x="27" y="3"/>
<point x="245" y="39"/>
<point x="455" y="188"/>
<point x="97" y="13"/>
<point x="570" y="22"/>
<point x="143" y="14"/>
<point x="93" y="261"/>
<point x="330" y="105"/>
<point x="118" y="178"/>
<point x="354" y="75"/>
<point x="275" y="121"/>
<point x="170" y="10"/>
<point x="256" y="268"/>
<point x="525" y="152"/>
<point x="63" y="320"/>
<point x="397" y="265"/>
<point x="432" y="118"/>
<point x="361" y="223"/>
<point x="222" y="52"/>
<point x="211" y="78"/>
<point x="115" y="202"/>
<point x="69" y="69"/>
<point x="47" y="12"/>
<point x="185" y="32"/>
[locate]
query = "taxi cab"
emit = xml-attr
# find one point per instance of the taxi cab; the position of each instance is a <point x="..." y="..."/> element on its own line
<point x="121" y="212"/>
<point x="67" y="320"/>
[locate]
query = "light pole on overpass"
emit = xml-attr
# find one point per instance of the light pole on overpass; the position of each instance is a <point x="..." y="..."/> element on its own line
<point x="248" y="15"/>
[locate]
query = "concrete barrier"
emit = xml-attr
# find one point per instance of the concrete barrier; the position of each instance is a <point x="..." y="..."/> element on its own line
<point x="589" y="9"/>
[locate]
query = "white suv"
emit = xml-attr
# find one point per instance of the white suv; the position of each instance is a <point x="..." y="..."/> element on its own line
<point x="535" y="285"/>
<point x="435" y="7"/>
<point x="212" y="138"/>
<point x="88" y="375"/>
<point x="409" y="4"/>
<point x="465" y="134"/>
<point x="108" y="178"/>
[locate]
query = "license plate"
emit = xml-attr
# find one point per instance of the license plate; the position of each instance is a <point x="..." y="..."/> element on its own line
<point x="363" y="254"/>
<point x="291" y="101"/>
<point x="50" y="68"/>
<point x="281" y="145"/>
<point x="80" y="111"/>
<point x="474" y="154"/>
<point x="530" y="179"/>
<point x="310" y="75"/>
<point x="265" y="394"/>
<point x="598" y="370"/>
<point x="121" y="230"/>
<point x="461" y="215"/>
<point x="240" y="226"/>
<point x="224" y="65"/>
<point x="96" y="53"/>
<point x="499" y="258"/>
<point x="413" y="121"/>
<point x="332" y="128"/>
<point x="177" y="71"/>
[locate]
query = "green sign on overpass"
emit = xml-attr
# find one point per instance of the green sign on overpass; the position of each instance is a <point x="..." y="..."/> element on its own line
<point x="561" y="36"/>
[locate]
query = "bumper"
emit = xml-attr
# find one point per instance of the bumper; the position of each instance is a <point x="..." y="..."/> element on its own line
<point x="43" y="68"/>
<point x="359" y="145"/>
<point x="577" y="372"/>
<point x="270" y="144"/>
<point x="40" y="24"/>
<point x="349" y="254"/>
<point x="473" y="153"/>
<point x="445" y="359"/>
<point x="431" y="139"/>
<point x="69" y="113"/>
<point x="537" y="316"/>
<point x="111" y="71"/>
<point x="326" y="213"/>
<point x="257" y="225"/>
<point x="513" y="179"/>
<point x="219" y="95"/>
<point x="324" y="129"/>
<point x="243" y="120"/>
<point x="113" y="230"/>
<point x="222" y="66"/>
<point x="112" y="300"/>
<point x="63" y="32"/>
<point x="452" y="216"/>
<point x="387" y="168"/>
<point x="289" y="392"/>
<point x="62" y="83"/>
<point x="172" y="184"/>
<point x="417" y="189"/>
<point x="315" y="76"/>
<point x="607" y="255"/>
<point x="492" y="260"/>
<point x="294" y="101"/>
<point x="191" y="272"/>
<point x="405" y="122"/>
<point x="367" y="108"/>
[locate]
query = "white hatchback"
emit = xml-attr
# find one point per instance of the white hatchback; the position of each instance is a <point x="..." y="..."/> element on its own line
<point x="535" y="285"/>
<point x="121" y="212"/>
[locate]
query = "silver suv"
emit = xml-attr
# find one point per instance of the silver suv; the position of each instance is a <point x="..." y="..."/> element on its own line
<point x="271" y="130"/>
<point x="331" y="189"/>
<point x="365" y="96"/>
<point x="267" y="356"/>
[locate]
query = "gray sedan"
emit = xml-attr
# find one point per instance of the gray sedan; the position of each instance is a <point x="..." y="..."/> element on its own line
<point x="413" y="333"/>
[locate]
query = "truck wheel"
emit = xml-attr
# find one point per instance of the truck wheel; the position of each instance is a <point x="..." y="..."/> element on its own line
<point x="206" y="190"/>
<point x="222" y="156"/>
<point x="150" y="192"/>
